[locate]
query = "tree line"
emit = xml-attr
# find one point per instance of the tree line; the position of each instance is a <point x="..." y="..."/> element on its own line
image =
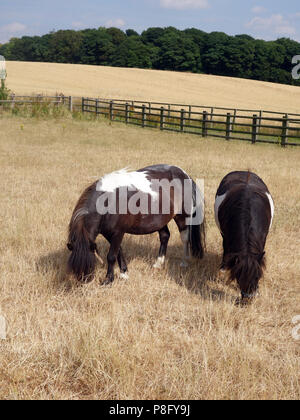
<point x="189" y="50"/>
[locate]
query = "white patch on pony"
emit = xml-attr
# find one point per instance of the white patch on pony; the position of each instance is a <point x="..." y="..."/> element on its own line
<point x="218" y="202"/>
<point x="272" y="207"/>
<point x="160" y="262"/>
<point x="123" y="178"/>
<point x="124" y="276"/>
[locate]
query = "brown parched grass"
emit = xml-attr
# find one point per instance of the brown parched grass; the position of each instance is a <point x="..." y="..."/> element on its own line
<point x="166" y="334"/>
<point x="151" y="85"/>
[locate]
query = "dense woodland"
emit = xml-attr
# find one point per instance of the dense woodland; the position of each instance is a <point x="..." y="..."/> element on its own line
<point x="190" y="50"/>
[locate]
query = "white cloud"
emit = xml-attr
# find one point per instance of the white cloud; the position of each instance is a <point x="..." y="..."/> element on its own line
<point x="184" y="4"/>
<point x="13" y="28"/>
<point x="258" y="10"/>
<point x="116" y="23"/>
<point x="275" y="24"/>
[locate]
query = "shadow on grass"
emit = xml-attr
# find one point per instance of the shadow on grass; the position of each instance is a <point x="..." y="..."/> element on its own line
<point x="54" y="266"/>
<point x="199" y="278"/>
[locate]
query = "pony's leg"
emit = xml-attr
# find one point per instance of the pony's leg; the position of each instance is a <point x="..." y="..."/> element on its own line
<point x="222" y="271"/>
<point x="115" y="243"/>
<point x="122" y="265"/>
<point x="164" y="236"/>
<point x="184" y="234"/>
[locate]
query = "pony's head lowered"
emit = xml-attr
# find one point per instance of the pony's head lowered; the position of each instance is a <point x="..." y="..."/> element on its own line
<point x="81" y="240"/>
<point x="247" y="268"/>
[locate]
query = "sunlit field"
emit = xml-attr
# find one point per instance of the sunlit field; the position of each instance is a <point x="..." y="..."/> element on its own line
<point x="169" y="334"/>
<point x="151" y="85"/>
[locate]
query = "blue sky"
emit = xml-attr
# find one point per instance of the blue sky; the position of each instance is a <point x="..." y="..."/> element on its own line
<point x="266" y="19"/>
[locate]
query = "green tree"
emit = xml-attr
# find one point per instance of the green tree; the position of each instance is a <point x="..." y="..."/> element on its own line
<point x="131" y="32"/>
<point x="238" y="55"/>
<point x="97" y="47"/>
<point x="152" y="36"/>
<point x="214" y="53"/>
<point x="132" y="53"/>
<point x="65" y="46"/>
<point x="117" y="35"/>
<point x="178" y="52"/>
<point x="267" y="57"/>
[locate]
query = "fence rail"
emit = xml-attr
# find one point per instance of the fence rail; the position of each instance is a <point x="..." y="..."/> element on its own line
<point x="256" y="126"/>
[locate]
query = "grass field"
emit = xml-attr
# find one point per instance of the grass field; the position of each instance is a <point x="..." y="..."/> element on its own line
<point x="151" y="85"/>
<point x="166" y="334"/>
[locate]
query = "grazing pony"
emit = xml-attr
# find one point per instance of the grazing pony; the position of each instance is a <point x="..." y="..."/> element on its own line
<point x="140" y="202"/>
<point x="244" y="211"/>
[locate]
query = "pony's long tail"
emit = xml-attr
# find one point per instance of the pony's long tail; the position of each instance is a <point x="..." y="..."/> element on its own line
<point x="197" y="226"/>
<point x="82" y="260"/>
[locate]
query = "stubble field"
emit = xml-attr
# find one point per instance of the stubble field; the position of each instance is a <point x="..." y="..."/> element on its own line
<point x="167" y="334"/>
<point x="151" y="85"/>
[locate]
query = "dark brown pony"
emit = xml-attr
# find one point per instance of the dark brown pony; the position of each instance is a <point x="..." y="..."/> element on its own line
<point x="244" y="211"/>
<point x="100" y="210"/>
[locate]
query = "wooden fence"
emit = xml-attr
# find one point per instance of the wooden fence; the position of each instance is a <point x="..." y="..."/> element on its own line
<point x="239" y="124"/>
<point x="15" y="100"/>
<point x="256" y="126"/>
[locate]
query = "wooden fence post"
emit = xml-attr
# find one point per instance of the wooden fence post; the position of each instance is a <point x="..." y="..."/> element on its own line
<point x="228" y="126"/>
<point x="162" y="118"/>
<point x="143" y="115"/>
<point x="126" y="112"/>
<point x="70" y="104"/>
<point x="284" y="130"/>
<point x="204" y="124"/>
<point x="254" y="129"/>
<point x="82" y="105"/>
<point x="13" y="100"/>
<point x="96" y="107"/>
<point x="182" y="119"/>
<point x="260" y="121"/>
<point x="111" y="110"/>
<point x="234" y="119"/>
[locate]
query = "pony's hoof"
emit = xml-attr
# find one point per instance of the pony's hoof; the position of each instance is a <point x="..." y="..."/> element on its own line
<point x="124" y="276"/>
<point x="107" y="282"/>
<point x="160" y="262"/>
<point x="243" y="302"/>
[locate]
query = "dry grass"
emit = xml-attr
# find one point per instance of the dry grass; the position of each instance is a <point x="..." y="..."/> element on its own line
<point x="167" y="334"/>
<point x="151" y="85"/>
